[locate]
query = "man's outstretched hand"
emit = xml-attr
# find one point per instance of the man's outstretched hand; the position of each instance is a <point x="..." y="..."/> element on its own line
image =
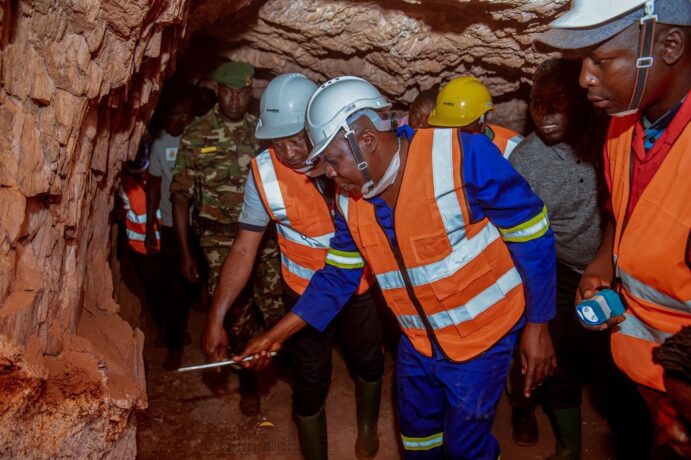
<point x="261" y="347"/>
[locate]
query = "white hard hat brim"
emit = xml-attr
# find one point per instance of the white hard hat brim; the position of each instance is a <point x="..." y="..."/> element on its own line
<point x="276" y="132"/>
<point x="565" y="33"/>
<point x="578" y="38"/>
<point x="319" y="148"/>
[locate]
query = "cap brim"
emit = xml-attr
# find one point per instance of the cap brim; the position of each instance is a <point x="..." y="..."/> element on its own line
<point x="571" y="39"/>
<point x="317" y="150"/>
<point x="277" y="132"/>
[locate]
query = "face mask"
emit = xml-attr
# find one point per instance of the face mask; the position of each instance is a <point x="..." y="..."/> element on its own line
<point x="388" y="178"/>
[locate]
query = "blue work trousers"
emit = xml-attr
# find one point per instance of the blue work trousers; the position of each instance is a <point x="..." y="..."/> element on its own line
<point x="446" y="409"/>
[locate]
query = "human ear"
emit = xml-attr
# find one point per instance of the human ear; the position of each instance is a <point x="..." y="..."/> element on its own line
<point x="673" y="44"/>
<point x="369" y="140"/>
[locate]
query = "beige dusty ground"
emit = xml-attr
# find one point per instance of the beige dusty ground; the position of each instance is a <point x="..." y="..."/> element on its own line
<point x="186" y="421"/>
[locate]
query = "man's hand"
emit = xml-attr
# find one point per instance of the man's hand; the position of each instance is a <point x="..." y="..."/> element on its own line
<point x="214" y="341"/>
<point x="589" y="285"/>
<point x="189" y="268"/>
<point x="151" y="242"/>
<point x="599" y="274"/>
<point x="260" y="348"/>
<point x="537" y="355"/>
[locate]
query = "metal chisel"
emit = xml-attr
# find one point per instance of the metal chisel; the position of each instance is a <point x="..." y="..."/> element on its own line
<point x="229" y="362"/>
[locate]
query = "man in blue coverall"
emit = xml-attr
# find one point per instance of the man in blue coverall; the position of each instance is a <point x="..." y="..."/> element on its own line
<point x="469" y="262"/>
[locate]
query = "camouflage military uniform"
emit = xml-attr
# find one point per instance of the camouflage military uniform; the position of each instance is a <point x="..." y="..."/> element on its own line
<point x="211" y="167"/>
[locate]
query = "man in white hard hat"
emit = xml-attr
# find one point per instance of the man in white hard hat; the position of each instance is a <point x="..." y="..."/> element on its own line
<point x="471" y="246"/>
<point x="277" y="190"/>
<point x="637" y="66"/>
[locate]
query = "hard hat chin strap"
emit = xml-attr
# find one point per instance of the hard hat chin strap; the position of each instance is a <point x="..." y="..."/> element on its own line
<point x="359" y="159"/>
<point x="645" y="56"/>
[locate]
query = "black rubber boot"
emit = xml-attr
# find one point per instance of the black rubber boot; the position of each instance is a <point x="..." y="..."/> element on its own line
<point x="567" y="429"/>
<point x="367" y="397"/>
<point x="525" y="431"/>
<point x="249" y="398"/>
<point x="312" y="434"/>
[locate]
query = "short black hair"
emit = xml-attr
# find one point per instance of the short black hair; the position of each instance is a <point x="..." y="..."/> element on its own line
<point x="674" y="355"/>
<point x="428" y="96"/>
<point x="568" y="70"/>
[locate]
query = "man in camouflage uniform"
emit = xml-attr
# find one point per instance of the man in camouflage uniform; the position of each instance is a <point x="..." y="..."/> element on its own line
<point x="210" y="172"/>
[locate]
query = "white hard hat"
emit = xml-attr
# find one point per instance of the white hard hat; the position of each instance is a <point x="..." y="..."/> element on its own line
<point x="333" y="103"/>
<point x="590" y="22"/>
<point x="282" y="106"/>
<point x="588" y="13"/>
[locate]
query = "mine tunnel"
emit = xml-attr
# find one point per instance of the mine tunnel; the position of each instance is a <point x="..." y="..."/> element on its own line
<point x="87" y="363"/>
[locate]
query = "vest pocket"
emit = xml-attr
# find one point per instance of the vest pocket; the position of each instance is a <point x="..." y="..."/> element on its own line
<point x="453" y="290"/>
<point x="430" y="248"/>
<point x="469" y="297"/>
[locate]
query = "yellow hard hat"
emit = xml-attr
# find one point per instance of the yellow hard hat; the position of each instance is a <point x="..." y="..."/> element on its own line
<point x="462" y="101"/>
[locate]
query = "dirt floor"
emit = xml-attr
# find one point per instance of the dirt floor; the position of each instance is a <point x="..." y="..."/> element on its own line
<point x="187" y="420"/>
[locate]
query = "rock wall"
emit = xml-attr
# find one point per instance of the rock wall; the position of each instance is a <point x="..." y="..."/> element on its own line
<point x="79" y="82"/>
<point x="400" y="46"/>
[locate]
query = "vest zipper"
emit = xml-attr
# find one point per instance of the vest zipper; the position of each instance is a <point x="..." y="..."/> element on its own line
<point x="409" y="287"/>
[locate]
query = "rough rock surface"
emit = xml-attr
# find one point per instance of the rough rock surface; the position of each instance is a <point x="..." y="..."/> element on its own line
<point x="400" y="46"/>
<point x="79" y="82"/>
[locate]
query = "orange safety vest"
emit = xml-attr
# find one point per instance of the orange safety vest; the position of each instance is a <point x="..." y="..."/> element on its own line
<point x="303" y="220"/>
<point x="450" y="280"/>
<point x="650" y="252"/>
<point x="133" y="198"/>
<point x="505" y="139"/>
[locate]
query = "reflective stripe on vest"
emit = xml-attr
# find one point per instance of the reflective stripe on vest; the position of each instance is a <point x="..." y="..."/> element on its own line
<point x="471" y="309"/>
<point x="505" y="139"/>
<point x="136" y="236"/>
<point x="462" y="253"/>
<point x="633" y="327"/>
<point x="444" y="190"/>
<point x="296" y="269"/>
<point x="650" y="294"/>
<point x="511" y="144"/>
<point x="317" y="242"/>
<point x="139" y="218"/>
<point x="271" y="187"/>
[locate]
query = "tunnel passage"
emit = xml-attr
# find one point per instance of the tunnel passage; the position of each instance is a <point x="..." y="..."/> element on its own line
<point x="80" y="81"/>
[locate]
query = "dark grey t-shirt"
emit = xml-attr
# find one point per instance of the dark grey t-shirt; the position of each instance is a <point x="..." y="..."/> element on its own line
<point x="568" y="186"/>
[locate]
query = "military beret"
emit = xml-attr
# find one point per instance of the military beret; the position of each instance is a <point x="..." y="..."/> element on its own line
<point x="234" y="74"/>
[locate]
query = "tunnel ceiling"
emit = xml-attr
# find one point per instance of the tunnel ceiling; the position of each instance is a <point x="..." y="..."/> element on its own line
<point x="402" y="47"/>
